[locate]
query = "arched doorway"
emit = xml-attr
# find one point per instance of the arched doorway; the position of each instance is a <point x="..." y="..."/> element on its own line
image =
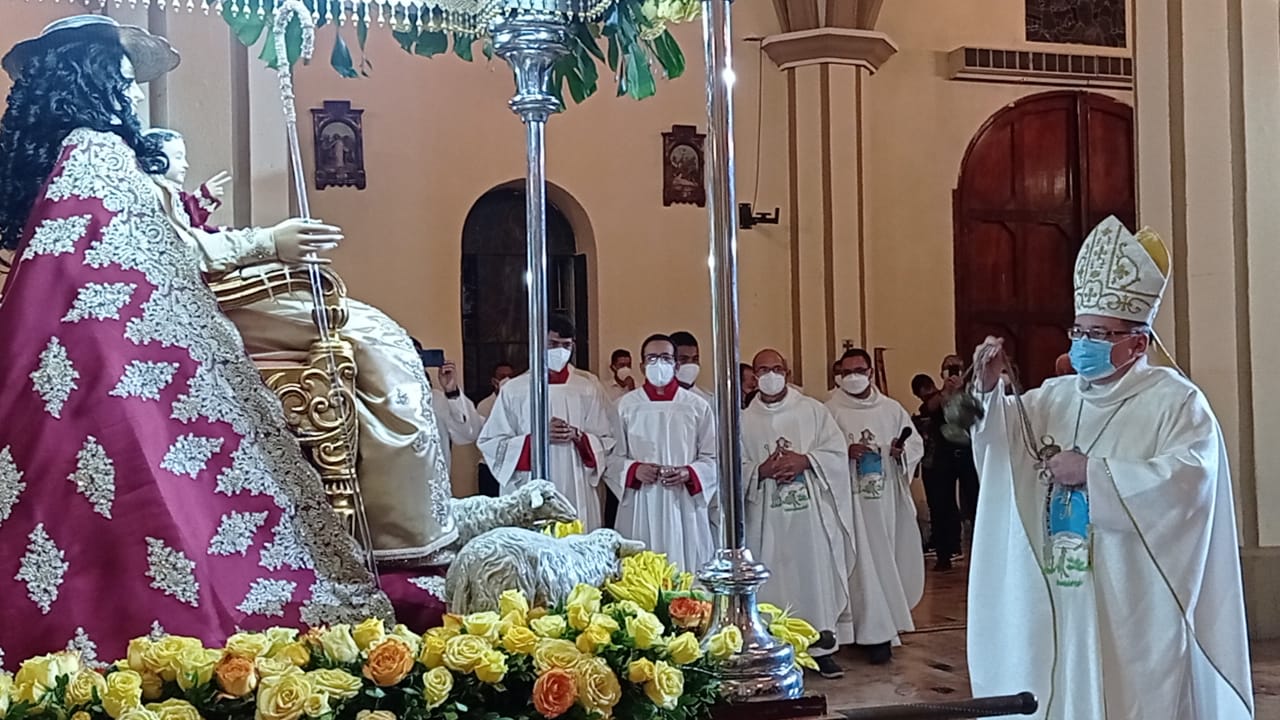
<point x="1035" y="179"/>
<point x="495" y="314"/>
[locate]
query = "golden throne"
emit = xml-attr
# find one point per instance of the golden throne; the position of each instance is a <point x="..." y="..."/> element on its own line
<point x="316" y="387"/>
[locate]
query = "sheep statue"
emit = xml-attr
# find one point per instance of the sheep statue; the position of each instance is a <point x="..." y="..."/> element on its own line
<point x="545" y="568"/>
<point x="535" y="503"/>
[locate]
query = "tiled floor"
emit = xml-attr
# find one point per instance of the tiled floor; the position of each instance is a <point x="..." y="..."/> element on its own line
<point x="930" y="665"/>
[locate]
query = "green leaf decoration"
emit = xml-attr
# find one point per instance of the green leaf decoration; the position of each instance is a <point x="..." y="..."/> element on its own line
<point x="669" y="55"/>
<point x="462" y="46"/>
<point x="431" y="42"/>
<point x="292" y="44"/>
<point x="340" y="58"/>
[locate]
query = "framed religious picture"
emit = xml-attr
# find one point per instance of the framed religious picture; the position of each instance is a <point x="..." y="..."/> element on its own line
<point x="682" y="167"/>
<point x="339" y="145"/>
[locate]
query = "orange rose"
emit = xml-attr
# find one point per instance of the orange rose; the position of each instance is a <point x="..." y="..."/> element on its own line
<point x="554" y="692"/>
<point x="236" y="676"/>
<point x="389" y="662"/>
<point x="689" y="613"/>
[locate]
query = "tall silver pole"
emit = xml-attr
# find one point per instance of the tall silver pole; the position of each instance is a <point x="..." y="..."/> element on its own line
<point x="531" y="45"/>
<point x="765" y="669"/>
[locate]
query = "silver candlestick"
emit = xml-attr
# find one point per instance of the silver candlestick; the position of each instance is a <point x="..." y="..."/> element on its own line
<point x="766" y="668"/>
<point x="531" y="44"/>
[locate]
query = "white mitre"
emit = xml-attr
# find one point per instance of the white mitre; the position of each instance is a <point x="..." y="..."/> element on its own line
<point x="1121" y="275"/>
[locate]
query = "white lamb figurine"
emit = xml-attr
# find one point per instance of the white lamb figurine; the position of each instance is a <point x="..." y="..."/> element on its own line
<point x="534" y="503"/>
<point x="545" y="568"/>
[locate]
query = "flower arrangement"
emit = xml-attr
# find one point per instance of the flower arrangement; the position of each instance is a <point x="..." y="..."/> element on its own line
<point x="637" y="41"/>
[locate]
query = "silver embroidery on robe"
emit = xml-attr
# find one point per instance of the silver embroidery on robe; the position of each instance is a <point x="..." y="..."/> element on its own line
<point x="55" y="378"/>
<point x="235" y="532"/>
<point x="268" y="597"/>
<point x="172" y="573"/>
<point x="87" y="649"/>
<point x="100" y="301"/>
<point x="284" y="550"/>
<point x="157" y="631"/>
<point x="42" y="569"/>
<point x="95" y="476"/>
<point x="433" y="585"/>
<point x="11" y="485"/>
<point x="145" y="380"/>
<point x="189" y="454"/>
<point x="246" y="473"/>
<point x="57" y="236"/>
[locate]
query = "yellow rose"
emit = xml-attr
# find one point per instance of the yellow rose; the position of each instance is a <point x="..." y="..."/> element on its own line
<point x="375" y="715"/>
<point x="249" y="645"/>
<point x="283" y="697"/>
<point x="538" y="612"/>
<point x="6" y="688"/>
<point x="294" y="653"/>
<point x="237" y="676"/>
<point x="175" y="710"/>
<point x="81" y="688"/>
<point x="483" y="624"/>
<point x="598" y="634"/>
<point x="280" y="637"/>
<point x="598" y="688"/>
<point x="685" y="649"/>
<point x="726" y="643"/>
<point x="138" y="713"/>
<point x="195" y="667"/>
<point x="628" y="607"/>
<point x="640" y="671"/>
<point x="78" y="715"/>
<point x="555" y="654"/>
<point x="339" y="646"/>
<point x="666" y="686"/>
<point x="410" y="638"/>
<point x="274" y="667"/>
<point x="437" y="683"/>
<point x="137" y="647"/>
<point x="152" y="686"/>
<point x="432" y="653"/>
<point x="583" y="602"/>
<point x="124" y="691"/>
<point x="492" y="668"/>
<point x="164" y="656"/>
<point x="369" y="633"/>
<point x="514" y="602"/>
<point x="646" y="629"/>
<point x="390" y="661"/>
<point x="520" y="640"/>
<point x="337" y="684"/>
<point x="549" y="626"/>
<point x="464" y="652"/>
<point x="39" y="675"/>
<point x="317" y="705"/>
<point x="452" y="624"/>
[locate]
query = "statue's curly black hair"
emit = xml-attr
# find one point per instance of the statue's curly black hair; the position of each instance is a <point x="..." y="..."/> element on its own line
<point x="77" y="84"/>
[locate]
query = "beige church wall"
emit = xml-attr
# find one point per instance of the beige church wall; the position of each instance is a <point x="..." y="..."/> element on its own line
<point x="918" y="125"/>
<point x="438" y="135"/>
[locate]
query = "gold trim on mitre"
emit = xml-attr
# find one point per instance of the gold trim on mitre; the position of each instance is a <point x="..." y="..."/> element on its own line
<point x="1119" y="274"/>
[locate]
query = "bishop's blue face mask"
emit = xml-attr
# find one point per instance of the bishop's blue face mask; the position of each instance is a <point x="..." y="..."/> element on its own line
<point x="1091" y="358"/>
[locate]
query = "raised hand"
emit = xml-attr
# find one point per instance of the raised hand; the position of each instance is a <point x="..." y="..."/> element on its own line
<point x="217" y="185"/>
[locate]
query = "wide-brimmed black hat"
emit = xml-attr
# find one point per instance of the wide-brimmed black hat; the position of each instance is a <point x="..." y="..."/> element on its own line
<point x="151" y="55"/>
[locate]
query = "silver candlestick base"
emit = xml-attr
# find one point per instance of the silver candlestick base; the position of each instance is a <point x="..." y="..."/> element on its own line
<point x="766" y="667"/>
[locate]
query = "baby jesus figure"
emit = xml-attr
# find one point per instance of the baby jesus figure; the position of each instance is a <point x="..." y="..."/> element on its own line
<point x="208" y="197"/>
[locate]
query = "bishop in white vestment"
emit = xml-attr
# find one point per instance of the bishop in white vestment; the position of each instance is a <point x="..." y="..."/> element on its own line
<point x="799" y="505"/>
<point x="1106" y="580"/>
<point x="884" y="451"/>
<point x="581" y="433"/>
<point x="665" y="461"/>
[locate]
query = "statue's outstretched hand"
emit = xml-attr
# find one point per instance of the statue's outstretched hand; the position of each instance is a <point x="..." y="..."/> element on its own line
<point x="300" y="241"/>
<point x="217" y="185"/>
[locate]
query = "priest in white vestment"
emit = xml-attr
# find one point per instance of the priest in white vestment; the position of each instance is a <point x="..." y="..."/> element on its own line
<point x="799" y="504"/>
<point x="458" y="420"/>
<point x="884" y="451"/>
<point x="1106" y="580"/>
<point x="665" y="460"/>
<point x="581" y="430"/>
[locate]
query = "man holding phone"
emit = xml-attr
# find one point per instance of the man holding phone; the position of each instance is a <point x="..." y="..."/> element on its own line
<point x="951" y="466"/>
<point x="459" y="422"/>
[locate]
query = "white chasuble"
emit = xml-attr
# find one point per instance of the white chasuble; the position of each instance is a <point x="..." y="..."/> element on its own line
<point x="889" y="575"/>
<point x="802" y="530"/>
<point x="1123" y="600"/>
<point x="575" y="468"/>
<point x="670" y="427"/>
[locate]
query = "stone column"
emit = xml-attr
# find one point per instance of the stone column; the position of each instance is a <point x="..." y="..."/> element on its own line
<point x="1209" y="173"/>
<point x="826" y="68"/>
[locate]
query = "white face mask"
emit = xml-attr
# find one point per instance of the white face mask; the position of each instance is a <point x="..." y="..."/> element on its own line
<point x="688" y="373"/>
<point x="772" y="384"/>
<point x="855" y="383"/>
<point x="558" y="358"/>
<point x="625" y="373"/>
<point x="660" y="373"/>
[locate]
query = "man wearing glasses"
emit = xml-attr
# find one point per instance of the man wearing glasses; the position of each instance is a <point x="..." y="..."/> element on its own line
<point x="1106" y="575"/>
<point x="949" y="466"/>
<point x="665" y="461"/>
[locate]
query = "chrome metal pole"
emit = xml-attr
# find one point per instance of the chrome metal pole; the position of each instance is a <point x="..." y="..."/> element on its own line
<point x="531" y="45"/>
<point x="765" y="669"/>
